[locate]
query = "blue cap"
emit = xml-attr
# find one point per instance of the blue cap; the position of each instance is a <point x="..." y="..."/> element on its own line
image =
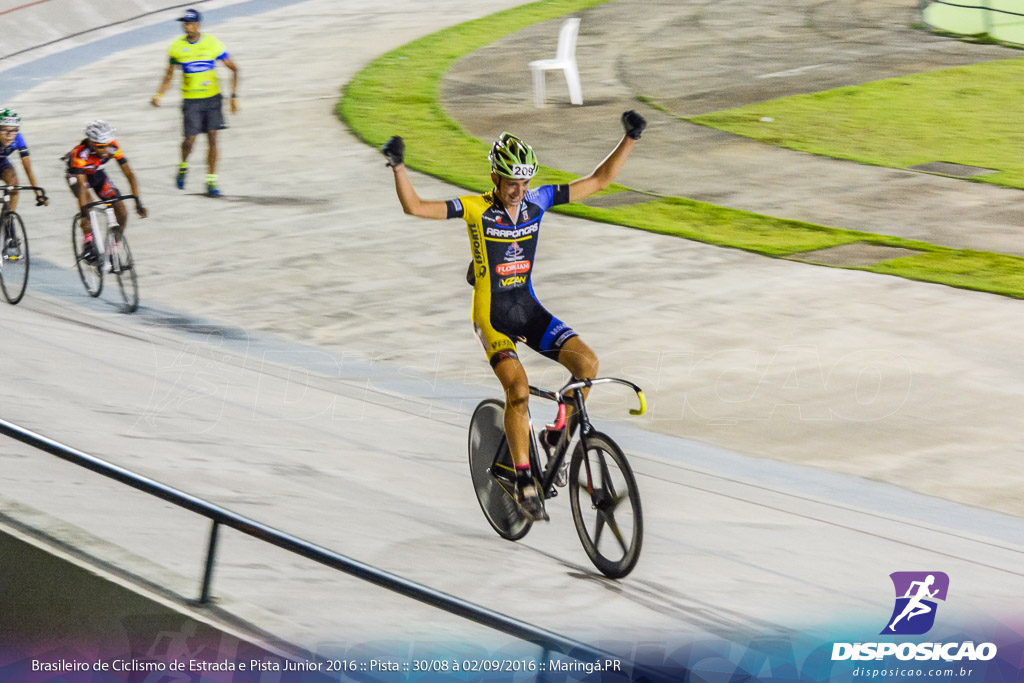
<point x="191" y="15"/>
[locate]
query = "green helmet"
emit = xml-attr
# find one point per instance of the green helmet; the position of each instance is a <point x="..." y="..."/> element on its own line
<point x="9" y="117"/>
<point x="512" y="158"/>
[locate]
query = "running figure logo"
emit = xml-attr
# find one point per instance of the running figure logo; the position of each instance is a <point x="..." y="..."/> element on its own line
<point x="916" y="593"/>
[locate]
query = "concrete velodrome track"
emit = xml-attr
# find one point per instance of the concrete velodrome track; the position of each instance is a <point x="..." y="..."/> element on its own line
<point x="304" y="357"/>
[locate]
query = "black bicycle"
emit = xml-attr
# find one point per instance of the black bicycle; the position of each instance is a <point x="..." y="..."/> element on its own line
<point x="603" y="493"/>
<point x="14" y="244"/>
<point x="114" y="257"/>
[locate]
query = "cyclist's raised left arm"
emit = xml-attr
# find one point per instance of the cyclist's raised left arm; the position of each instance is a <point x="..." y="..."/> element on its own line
<point x="607" y="170"/>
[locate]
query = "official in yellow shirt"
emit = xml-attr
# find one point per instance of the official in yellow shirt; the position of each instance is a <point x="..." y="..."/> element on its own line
<point x="197" y="55"/>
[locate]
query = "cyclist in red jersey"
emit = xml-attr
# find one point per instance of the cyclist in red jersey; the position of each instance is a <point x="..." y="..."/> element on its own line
<point x="85" y="170"/>
<point x="504" y="225"/>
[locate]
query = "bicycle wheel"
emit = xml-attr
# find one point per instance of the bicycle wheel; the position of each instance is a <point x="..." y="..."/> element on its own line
<point x="122" y="265"/>
<point x="14" y="251"/>
<point x="91" y="273"/>
<point x="490" y="464"/>
<point x="605" y="505"/>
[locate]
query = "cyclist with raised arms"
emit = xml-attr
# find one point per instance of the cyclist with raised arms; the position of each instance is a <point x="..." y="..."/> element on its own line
<point x="85" y="170"/>
<point x="504" y="226"/>
<point x="11" y="141"/>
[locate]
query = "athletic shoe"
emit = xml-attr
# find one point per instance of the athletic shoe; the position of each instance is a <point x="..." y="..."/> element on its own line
<point x="90" y="254"/>
<point x="531" y="505"/>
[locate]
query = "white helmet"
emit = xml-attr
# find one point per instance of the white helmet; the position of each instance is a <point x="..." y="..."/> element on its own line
<point x="99" y="131"/>
<point x="9" y="117"/>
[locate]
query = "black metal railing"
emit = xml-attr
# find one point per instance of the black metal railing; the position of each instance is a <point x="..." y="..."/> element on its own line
<point x="549" y="641"/>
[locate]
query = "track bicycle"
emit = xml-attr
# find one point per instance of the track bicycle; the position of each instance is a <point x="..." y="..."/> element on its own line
<point x="603" y="493"/>
<point x="115" y="256"/>
<point x="14" y="244"/>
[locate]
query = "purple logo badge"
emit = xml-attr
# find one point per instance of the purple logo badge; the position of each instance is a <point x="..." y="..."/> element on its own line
<point x="916" y="593"/>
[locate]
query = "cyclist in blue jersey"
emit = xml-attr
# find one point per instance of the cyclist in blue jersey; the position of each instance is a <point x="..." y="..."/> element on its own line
<point x="504" y="226"/>
<point x="11" y="141"/>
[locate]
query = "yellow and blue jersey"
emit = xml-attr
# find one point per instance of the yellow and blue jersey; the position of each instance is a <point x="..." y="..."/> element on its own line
<point x="198" y="61"/>
<point x="505" y="308"/>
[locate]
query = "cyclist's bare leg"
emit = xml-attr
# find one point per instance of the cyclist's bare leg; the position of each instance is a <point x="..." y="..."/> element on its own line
<point x="10" y="177"/>
<point x="516" y="386"/>
<point x="211" y="151"/>
<point x="77" y="185"/>
<point x="513" y="380"/>
<point x="580" y="360"/>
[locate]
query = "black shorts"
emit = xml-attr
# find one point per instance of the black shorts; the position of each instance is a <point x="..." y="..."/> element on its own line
<point x="517" y="316"/>
<point x="100" y="183"/>
<point x="202" y="115"/>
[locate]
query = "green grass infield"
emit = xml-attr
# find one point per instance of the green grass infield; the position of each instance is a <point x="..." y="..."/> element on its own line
<point x="400" y="92"/>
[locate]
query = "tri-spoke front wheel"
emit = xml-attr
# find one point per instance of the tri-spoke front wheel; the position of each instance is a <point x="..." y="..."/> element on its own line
<point x="605" y="505"/>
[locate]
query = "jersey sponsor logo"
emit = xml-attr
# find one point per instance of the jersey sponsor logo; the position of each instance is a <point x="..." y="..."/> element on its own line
<point x="196" y="67"/>
<point x="512" y="234"/>
<point x="478" y="252"/>
<point x="514" y="252"/>
<point x="512" y="268"/>
<point x="513" y="281"/>
<point x="562" y="338"/>
<point x="457" y="205"/>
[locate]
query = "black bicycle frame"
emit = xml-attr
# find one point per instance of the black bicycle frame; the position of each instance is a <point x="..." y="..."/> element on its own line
<point x="579" y="419"/>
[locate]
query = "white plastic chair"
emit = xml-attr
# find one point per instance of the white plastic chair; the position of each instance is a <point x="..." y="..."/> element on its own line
<point x="565" y="59"/>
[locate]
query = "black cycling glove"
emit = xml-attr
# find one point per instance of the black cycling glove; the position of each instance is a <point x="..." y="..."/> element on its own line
<point x="634" y="124"/>
<point x="394" y="150"/>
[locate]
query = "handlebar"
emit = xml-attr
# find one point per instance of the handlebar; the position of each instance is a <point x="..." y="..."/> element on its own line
<point x="574" y="384"/>
<point x="40" y="192"/>
<point x="112" y="200"/>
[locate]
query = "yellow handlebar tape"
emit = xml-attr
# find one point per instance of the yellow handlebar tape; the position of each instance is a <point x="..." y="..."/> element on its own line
<point x="643" y="404"/>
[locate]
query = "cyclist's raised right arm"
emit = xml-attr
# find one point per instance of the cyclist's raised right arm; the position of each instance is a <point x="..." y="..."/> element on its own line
<point x="411" y="202"/>
<point x="394" y="150"/>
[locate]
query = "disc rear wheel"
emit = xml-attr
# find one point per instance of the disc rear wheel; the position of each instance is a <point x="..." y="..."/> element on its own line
<point x="490" y="464"/>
